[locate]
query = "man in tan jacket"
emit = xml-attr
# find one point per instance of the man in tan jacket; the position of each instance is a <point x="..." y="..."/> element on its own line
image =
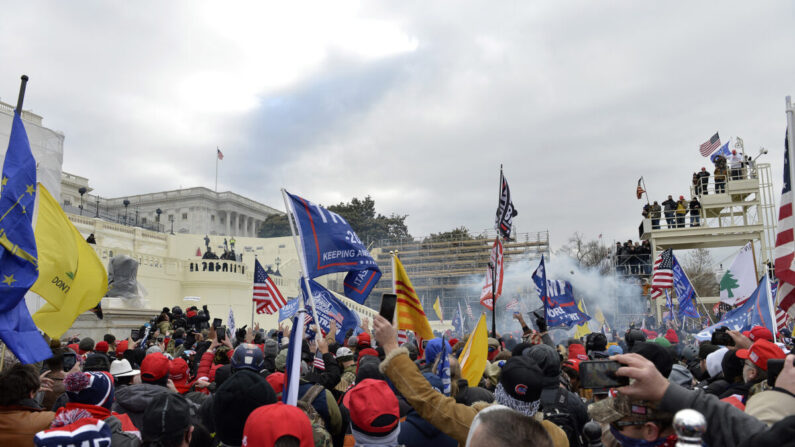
<point x="20" y="416"/>
<point x="517" y="390"/>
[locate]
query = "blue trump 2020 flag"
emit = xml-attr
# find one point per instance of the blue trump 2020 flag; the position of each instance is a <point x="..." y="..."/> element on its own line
<point x="331" y="246"/>
<point x="685" y="292"/>
<point x="755" y="312"/>
<point x="288" y="310"/>
<point x="330" y="308"/>
<point x="558" y="297"/>
<point x="18" y="256"/>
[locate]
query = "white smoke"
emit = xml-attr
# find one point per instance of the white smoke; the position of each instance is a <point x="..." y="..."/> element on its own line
<point x="612" y="294"/>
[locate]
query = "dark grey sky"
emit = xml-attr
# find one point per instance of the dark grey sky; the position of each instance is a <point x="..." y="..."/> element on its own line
<point x="415" y="103"/>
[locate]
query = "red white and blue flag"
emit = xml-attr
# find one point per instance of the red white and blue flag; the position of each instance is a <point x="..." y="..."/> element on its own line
<point x="710" y="145"/>
<point x="318" y="363"/>
<point x="663" y="275"/>
<point x="784" y="253"/>
<point x="266" y="295"/>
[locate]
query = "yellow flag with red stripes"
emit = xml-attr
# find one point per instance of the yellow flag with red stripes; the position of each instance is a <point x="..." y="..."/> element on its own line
<point x="411" y="317"/>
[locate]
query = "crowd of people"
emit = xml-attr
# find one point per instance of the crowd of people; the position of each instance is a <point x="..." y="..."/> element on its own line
<point x="674" y="211"/>
<point x="182" y="381"/>
<point x="633" y="258"/>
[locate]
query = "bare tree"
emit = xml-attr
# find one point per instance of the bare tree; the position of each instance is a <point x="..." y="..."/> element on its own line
<point x="589" y="254"/>
<point x="699" y="268"/>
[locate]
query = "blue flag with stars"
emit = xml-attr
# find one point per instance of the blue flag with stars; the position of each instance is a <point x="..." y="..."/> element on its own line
<point x="685" y="292"/>
<point x="18" y="257"/>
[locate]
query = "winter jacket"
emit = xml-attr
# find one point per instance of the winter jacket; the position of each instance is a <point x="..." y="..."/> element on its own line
<point x="328" y="378"/>
<point x="441" y="411"/>
<point x="469" y="395"/>
<point x="416" y="431"/>
<point x="739" y="390"/>
<point x="680" y="375"/>
<point x="134" y="399"/>
<point x="695" y="207"/>
<point x="19" y="423"/>
<point x="771" y="406"/>
<point x="571" y="403"/>
<point x="656" y="211"/>
<point x="780" y="434"/>
<point x="728" y="425"/>
<point x="669" y="205"/>
<point x="681" y="208"/>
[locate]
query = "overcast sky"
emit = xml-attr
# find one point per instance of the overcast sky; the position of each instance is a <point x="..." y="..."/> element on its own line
<point x="415" y="103"/>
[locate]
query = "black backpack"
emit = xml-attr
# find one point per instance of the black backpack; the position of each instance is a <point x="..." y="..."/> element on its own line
<point x="558" y="413"/>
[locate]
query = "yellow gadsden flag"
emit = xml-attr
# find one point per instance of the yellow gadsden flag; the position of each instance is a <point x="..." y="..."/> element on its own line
<point x="438" y="309"/>
<point x="411" y="317"/>
<point x="475" y="355"/>
<point x="72" y="279"/>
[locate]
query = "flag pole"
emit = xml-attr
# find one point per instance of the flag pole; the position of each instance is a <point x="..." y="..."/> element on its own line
<point x="21" y="98"/>
<point x="493" y="267"/>
<point x="216" y="168"/>
<point x="645" y="190"/>
<point x="791" y="145"/>
<point x="299" y="249"/>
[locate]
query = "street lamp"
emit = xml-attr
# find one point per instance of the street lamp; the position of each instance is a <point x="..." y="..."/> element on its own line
<point x="97" y="206"/>
<point x="171" y="219"/>
<point x="126" y="204"/>
<point x="82" y="191"/>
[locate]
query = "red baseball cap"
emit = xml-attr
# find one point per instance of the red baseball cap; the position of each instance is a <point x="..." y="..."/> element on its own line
<point x="573" y="363"/>
<point x="276" y="381"/>
<point x="178" y="373"/>
<point x="101" y="347"/>
<point x="761" y="351"/>
<point x="261" y="431"/>
<point x="373" y="407"/>
<point x="760" y="333"/>
<point x="577" y="351"/>
<point x="121" y="347"/>
<point x="363" y="340"/>
<point x="154" y="367"/>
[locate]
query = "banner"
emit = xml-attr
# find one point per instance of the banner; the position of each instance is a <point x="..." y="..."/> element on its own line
<point x="685" y="292"/>
<point x="331" y="246"/>
<point x="739" y="281"/>
<point x="754" y="312"/>
<point x="496" y="261"/>
<point x="558" y="299"/>
<point x="505" y="210"/>
<point x="289" y="310"/>
<point x="330" y="308"/>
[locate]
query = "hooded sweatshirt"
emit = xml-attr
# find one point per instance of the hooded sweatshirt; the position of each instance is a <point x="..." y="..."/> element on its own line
<point x="134" y="399"/>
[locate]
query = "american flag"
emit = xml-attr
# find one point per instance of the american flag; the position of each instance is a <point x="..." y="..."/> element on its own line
<point x="639" y="192"/>
<point x="784" y="253"/>
<point x="663" y="275"/>
<point x="710" y="145"/>
<point x="402" y="336"/>
<point x="513" y="305"/>
<point x="219" y="153"/>
<point x="268" y="298"/>
<point x="469" y="311"/>
<point x="318" y="363"/>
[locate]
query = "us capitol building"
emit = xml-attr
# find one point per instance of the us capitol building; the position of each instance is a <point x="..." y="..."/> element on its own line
<point x="165" y="232"/>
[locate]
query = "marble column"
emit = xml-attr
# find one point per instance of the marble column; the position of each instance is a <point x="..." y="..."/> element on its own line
<point x="227" y="218"/>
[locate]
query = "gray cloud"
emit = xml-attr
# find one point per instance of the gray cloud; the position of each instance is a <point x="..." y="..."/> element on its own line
<point x="577" y="100"/>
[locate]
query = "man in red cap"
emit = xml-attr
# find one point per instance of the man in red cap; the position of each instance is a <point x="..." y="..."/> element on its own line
<point x="261" y="431"/>
<point x="375" y="413"/>
<point x="760" y="333"/>
<point x="134" y="399"/>
<point x="756" y="357"/>
<point x="681" y="212"/>
<point x="179" y="373"/>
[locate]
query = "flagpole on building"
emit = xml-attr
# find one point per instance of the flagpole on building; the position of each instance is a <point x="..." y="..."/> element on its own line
<point x="21" y="98"/>
<point x="300" y="250"/>
<point x="216" y="167"/>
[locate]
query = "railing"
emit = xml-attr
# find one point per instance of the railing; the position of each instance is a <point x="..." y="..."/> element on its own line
<point x="215" y="266"/>
<point x="90" y="211"/>
<point x="27" y="116"/>
<point x="712" y="187"/>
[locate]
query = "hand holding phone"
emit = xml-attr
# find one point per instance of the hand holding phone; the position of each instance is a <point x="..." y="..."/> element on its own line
<point x="597" y="374"/>
<point x="220" y="332"/>
<point x="388" y="305"/>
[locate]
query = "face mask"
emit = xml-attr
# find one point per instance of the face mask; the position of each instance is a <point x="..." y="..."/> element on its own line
<point x="626" y="441"/>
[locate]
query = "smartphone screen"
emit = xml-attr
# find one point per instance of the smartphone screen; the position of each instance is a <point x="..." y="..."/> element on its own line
<point x="601" y="374"/>
<point x="388" y="303"/>
<point x="134" y="334"/>
<point x="220" y="332"/>
<point x="69" y="360"/>
<point x="216" y="323"/>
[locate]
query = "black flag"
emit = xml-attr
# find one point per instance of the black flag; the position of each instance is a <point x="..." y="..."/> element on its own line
<point x="505" y="211"/>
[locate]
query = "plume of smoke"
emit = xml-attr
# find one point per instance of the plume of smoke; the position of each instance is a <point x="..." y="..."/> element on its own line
<point x="611" y="294"/>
